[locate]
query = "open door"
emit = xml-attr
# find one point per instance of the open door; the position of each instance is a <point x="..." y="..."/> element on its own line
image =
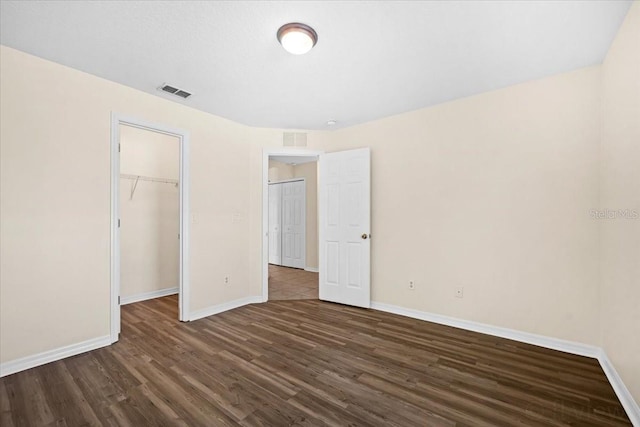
<point x="345" y="221"/>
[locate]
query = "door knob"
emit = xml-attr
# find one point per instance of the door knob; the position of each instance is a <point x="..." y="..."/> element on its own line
<point x="364" y="236"/>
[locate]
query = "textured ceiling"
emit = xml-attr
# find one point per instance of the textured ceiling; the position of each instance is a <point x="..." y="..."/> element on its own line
<point x="373" y="59"/>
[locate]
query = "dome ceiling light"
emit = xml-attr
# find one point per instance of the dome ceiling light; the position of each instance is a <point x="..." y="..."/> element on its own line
<point x="297" y="38"/>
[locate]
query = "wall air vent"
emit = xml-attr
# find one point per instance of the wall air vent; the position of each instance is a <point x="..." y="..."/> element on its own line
<point x="174" y="91"/>
<point x="294" y="139"/>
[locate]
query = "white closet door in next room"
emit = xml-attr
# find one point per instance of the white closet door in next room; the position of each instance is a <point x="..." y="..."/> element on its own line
<point x="275" y="218"/>
<point x="293" y="224"/>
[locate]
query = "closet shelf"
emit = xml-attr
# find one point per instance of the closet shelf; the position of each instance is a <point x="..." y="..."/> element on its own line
<point x="136" y="178"/>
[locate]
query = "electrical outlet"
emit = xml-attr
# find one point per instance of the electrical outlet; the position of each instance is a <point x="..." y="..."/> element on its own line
<point x="412" y="285"/>
<point x="226" y="280"/>
<point x="459" y="292"/>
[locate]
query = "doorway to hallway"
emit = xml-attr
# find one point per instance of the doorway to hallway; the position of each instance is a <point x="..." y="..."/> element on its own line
<point x="292" y="228"/>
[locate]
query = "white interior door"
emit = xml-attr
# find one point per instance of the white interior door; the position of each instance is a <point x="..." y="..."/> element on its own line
<point x="345" y="221"/>
<point x="293" y="224"/>
<point x="275" y="218"/>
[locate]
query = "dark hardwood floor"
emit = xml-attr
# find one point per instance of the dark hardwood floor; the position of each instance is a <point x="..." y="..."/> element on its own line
<point x="291" y="283"/>
<point x="312" y="363"/>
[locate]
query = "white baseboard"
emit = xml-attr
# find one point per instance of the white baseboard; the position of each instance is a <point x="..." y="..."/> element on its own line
<point x="28" y="362"/>
<point x="526" y="337"/>
<point x="210" y="311"/>
<point x="311" y="269"/>
<point x="627" y="401"/>
<point x="623" y="393"/>
<point x="149" y="295"/>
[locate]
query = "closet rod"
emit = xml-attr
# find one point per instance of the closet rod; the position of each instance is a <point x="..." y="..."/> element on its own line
<point x="137" y="178"/>
<point x="148" y="178"/>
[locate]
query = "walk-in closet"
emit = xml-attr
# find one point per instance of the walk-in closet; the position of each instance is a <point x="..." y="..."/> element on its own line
<point x="149" y="215"/>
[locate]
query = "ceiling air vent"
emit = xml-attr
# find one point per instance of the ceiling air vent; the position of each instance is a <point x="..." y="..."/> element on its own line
<point x="175" y="91"/>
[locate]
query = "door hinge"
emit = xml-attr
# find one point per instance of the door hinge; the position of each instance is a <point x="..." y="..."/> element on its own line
<point x="118" y="299"/>
<point x="118" y="147"/>
<point x="178" y="236"/>
<point x="118" y="222"/>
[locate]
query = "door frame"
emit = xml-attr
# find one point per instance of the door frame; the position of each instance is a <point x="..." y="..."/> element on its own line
<point x="266" y="153"/>
<point x="183" y="137"/>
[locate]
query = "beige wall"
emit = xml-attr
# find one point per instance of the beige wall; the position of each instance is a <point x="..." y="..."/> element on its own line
<point x="148" y="153"/>
<point x="620" y="189"/>
<point x="55" y="203"/>
<point x="150" y="248"/>
<point x="279" y="171"/>
<point x="490" y="193"/>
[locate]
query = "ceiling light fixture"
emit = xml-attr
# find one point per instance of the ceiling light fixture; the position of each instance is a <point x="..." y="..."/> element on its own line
<point x="331" y="122"/>
<point x="297" y="38"/>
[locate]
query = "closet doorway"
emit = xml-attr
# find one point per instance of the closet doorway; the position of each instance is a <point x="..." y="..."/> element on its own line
<point x="149" y="215"/>
<point x="293" y="228"/>
<point x="149" y="207"/>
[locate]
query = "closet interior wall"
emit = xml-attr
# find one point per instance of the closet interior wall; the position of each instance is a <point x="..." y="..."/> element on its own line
<point x="150" y="214"/>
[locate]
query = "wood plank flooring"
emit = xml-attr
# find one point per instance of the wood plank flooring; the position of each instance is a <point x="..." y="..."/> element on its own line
<point x="308" y="363"/>
<point x="291" y="283"/>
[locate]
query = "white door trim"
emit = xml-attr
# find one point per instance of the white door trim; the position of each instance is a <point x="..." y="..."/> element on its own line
<point x="183" y="136"/>
<point x="266" y="152"/>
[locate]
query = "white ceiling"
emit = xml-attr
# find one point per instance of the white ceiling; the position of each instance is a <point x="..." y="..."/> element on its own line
<point x="373" y="58"/>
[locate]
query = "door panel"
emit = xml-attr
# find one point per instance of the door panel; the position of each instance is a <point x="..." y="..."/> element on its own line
<point x="345" y="221"/>
<point x="293" y="224"/>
